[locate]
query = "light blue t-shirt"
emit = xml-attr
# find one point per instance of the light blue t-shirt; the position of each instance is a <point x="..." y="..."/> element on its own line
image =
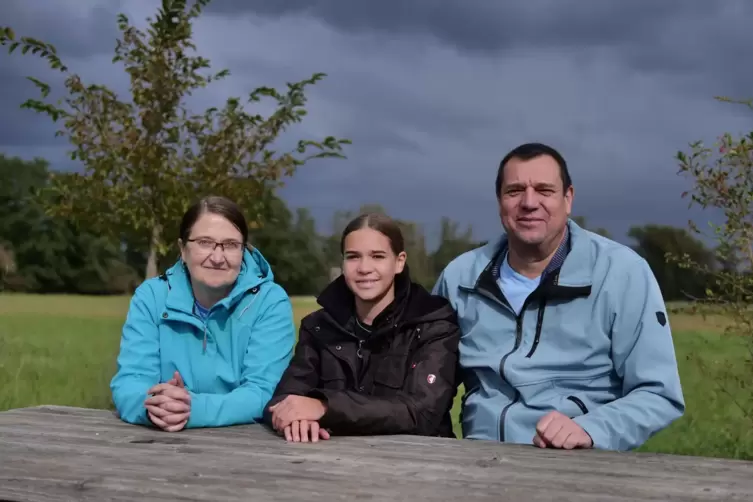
<point x="515" y="287"/>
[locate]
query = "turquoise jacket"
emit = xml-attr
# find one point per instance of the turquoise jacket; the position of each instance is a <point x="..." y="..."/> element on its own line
<point x="593" y="342"/>
<point x="230" y="365"/>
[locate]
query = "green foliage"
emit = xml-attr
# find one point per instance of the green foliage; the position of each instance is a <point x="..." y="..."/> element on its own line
<point x="655" y="242"/>
<point x="722" y="178"/>
<point x="48" y="253"/>
<point x="148" y="158"/>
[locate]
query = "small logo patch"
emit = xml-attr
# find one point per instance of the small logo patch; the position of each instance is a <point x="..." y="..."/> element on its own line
<point x="661" y="318"/>
<point x="431" y="378"/>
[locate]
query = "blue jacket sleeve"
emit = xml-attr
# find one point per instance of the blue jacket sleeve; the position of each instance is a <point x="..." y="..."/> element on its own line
<point x="644" y="357"/>
<point x="138" y="363"/>
<point x="269" y="350"/>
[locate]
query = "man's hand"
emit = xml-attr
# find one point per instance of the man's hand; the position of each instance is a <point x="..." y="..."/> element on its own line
<point x="169" y="405"/>
<point x="298" y="431"/>
<point x="296" y="408"/>
<point x="556" y="430"/>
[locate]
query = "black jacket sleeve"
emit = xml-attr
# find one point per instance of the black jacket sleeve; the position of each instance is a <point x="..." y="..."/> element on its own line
<point x="417" y="407"/>
<point x="301" y="375"/>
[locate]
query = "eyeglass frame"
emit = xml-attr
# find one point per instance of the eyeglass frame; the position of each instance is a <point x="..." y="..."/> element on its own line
<point x="221" y="244"/>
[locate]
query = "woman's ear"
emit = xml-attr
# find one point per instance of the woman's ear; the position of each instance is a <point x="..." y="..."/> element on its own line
<point x="182" y="249"/>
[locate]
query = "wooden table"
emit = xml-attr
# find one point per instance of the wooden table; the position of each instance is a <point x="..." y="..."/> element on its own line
<point x="58" y="453"/>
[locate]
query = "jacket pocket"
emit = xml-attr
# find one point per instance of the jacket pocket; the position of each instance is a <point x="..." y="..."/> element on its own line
<point x="331" y="374"/>
<point x="580" y="404"/>
<point x="390" y="372"/>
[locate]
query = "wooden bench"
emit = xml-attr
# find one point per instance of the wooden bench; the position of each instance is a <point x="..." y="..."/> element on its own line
<point x="60" y="453"/>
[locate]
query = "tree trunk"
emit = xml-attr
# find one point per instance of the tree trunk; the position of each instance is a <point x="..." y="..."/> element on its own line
<point x="151" y="262"/>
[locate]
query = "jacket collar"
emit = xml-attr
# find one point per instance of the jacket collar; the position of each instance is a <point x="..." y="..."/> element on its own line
<point x="339" y="301"/>
<point x="255" y="271"/>
<point x="572" y="262"/>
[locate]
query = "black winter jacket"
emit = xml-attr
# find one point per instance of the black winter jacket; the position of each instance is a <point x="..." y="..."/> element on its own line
<point x="398" y="379"/>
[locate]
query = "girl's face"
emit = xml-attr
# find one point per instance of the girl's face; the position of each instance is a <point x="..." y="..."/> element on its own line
<point x="369" y="264"/>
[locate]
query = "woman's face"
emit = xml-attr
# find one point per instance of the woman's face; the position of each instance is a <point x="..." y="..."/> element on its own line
<point x="209" y="265"/>
<point x="369" y="264"/>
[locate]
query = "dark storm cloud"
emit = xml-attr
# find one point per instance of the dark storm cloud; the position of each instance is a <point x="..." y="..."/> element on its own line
<point x="666" y="36"/>
<point x="433" y="93"/>
<point x="490" y="26"/>
<point x="76" y="32"/>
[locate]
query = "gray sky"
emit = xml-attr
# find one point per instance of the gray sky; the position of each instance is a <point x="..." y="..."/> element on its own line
<point x="433" y="93"/>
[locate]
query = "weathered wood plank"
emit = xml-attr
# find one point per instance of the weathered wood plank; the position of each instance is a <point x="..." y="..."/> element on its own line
<point x="58" y="453"/>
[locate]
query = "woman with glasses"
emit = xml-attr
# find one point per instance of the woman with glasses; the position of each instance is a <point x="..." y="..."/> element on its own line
<point x="205" y="343"/>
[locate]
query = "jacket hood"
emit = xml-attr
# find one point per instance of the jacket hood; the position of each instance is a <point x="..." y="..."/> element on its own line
<point x="413" y="304"/>
<point x="255" y="271"/>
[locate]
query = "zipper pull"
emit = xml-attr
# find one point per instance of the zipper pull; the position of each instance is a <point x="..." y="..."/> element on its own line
<point x="358" y="352"/>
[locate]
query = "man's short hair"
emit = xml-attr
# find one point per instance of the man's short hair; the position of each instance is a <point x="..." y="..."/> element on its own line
<point x="528" y="151"/>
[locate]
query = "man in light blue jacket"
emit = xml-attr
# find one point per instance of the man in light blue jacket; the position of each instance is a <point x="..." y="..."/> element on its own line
<point x="566" y="340"/>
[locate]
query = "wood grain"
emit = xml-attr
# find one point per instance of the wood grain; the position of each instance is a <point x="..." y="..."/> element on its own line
<point x="61" y="454"/>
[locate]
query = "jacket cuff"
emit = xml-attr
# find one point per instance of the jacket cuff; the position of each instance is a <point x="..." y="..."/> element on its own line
<point x="591" y="425"/>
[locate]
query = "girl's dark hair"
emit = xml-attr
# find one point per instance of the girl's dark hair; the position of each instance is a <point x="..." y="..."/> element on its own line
<point x="382" y="224"/>
<point x="216" y="205"/>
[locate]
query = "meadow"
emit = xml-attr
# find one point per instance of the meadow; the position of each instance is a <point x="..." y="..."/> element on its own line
<point x="62" y="349"/>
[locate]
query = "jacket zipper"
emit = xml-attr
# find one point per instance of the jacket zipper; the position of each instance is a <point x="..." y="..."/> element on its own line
<point x="518" y="339"/>
<point x="539" y="322"/>
<point x="204" y="351"/>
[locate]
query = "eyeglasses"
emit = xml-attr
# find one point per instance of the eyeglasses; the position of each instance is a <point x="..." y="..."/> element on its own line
<point x="210" y="245"/>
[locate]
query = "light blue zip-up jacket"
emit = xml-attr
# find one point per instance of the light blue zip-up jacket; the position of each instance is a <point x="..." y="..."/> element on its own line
<point x="593" y="342"/>
<point x="230" y="365"/>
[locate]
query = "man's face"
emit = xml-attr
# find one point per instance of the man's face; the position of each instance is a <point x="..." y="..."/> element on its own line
<point x="532" y="205"/>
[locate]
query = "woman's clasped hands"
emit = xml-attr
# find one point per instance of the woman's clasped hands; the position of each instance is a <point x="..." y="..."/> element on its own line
<point x="169" y="404"/>
<point x="297" y="417"/>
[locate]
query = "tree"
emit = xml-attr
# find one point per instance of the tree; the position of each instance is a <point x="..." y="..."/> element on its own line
<point x="148" y="158"/>
<point x="722" y="180"/>
<point x="655" y="242"/>
<point x="50" y="254"/>
<point x="7" y="264"/>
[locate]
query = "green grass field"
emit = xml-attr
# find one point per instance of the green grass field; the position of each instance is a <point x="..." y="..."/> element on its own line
<point x="62" y="350"/>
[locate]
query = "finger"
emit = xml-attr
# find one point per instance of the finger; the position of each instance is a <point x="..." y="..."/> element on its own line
<point x="157" y="400"/>
<point x="314" y="432"/>
<point x="163" y="401"/>
<point x="177" y="393"/>
<point x="561" y="437"/>
<point x="545" y="421"/>
<point x="573" y="441"/>
<point x="179" y="381"/>
<point x="304" y="426"/>
<point x="168" y="404"/>
<point x="324" y="434"/>
<point x="288" y="434"/>
<point x="157" y="421"/>
<point x="551" y="431"/>
<point x="157" y="411"/>
<point x="296" y="426"/>
<point x="177" y="427"/>
<point x="160" y="387"/>
<point x="537" y="441"/>
<point x="175" y="418"/>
